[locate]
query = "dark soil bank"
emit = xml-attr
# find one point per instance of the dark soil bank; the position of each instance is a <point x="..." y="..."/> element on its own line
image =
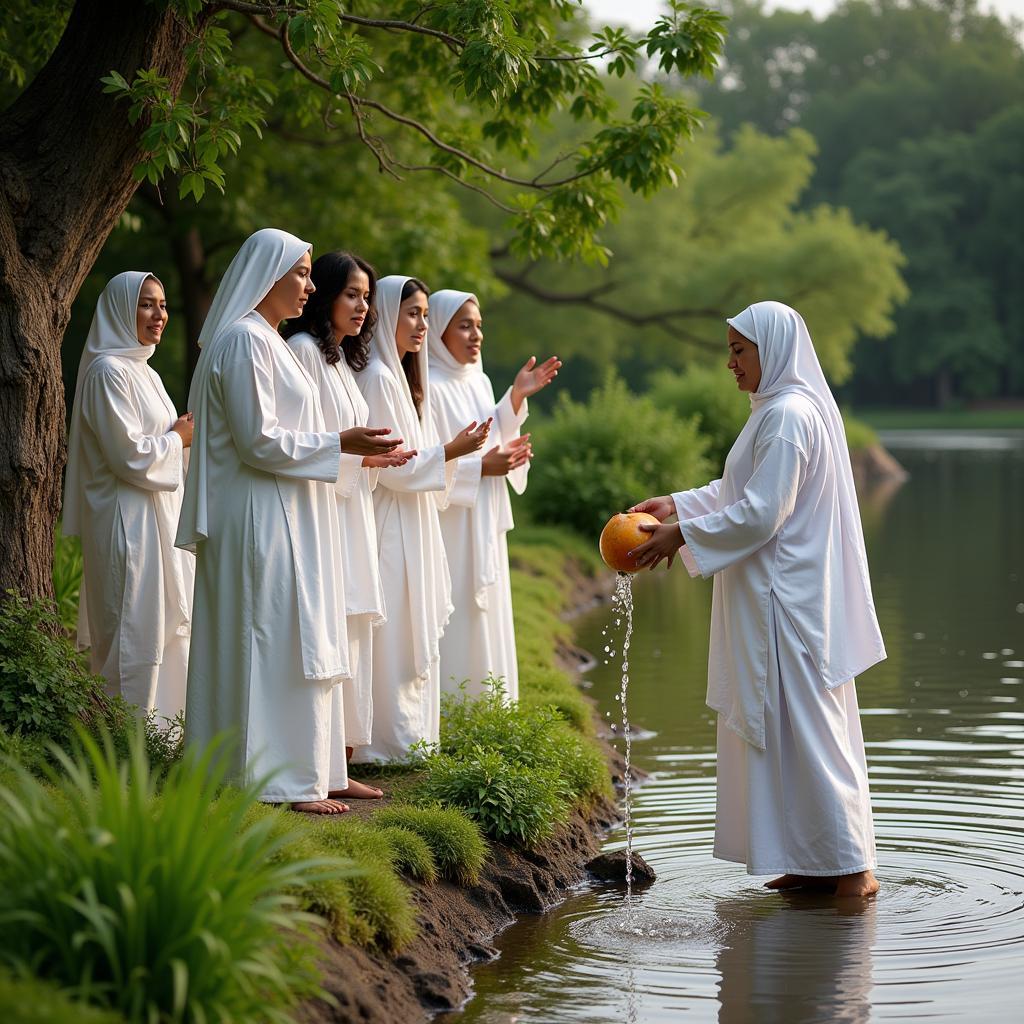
<point x="456" y="923"/>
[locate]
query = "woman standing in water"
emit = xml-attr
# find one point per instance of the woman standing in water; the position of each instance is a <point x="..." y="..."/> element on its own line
<point x="122" y="495"/>
<point x="792" y="622"/>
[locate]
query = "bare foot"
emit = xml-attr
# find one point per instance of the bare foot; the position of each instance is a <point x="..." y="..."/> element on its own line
<point x="863" y="883"/>
<point x="800" y="882"/>
<point x="357" y="791"/>
<point x="320" y="807"/>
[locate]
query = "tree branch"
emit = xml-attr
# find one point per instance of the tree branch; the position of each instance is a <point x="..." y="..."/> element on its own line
<point x="666" y="319"/>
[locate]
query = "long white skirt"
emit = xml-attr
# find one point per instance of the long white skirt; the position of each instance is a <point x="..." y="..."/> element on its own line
<point x="358" y="691"/>
<point x="478" y="642"/>
<point x="802" y="805"/>
<point x="159" y="688"/>
<point x="406" y="709"/>
<point x="245" y="673"/>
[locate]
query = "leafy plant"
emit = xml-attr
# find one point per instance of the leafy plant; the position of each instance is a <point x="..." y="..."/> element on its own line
<point x="44" y="686"/>
<point x="165" y="906"/>
<point x="511" y="802"/>
<point x="603" y="455"/>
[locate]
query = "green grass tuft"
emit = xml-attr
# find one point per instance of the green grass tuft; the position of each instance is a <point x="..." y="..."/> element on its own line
<point x="412" y="855"/>
<point x="458" y="847"/>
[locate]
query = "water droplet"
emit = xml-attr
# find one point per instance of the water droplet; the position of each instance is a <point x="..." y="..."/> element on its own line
<point x="963" y="693"/>
<point x="918" y="729"/>
<point x="919" y="636"/>
<point x="990" y="655"/>
<point x="1020" y="608"/>
<point x="1006" y="652"/>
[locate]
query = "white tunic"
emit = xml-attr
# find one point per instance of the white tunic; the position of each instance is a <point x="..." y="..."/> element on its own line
<point x="792" y="619"/>
<point x="269" y="641"/>
<point x="344" y="407"/>
<point x="479" y="641"/>
<point x="414" y="572"/>
<point x="123" y="494"/>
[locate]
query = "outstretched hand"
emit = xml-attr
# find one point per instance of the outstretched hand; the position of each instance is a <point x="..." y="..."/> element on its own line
<point x="531" y="378"/>
<point x="665" y="542"/>
<point x="501" y="461"/>
<point x="368" y="441"/>
<point x="661" y="507"/>
<point x="390" y="460"/>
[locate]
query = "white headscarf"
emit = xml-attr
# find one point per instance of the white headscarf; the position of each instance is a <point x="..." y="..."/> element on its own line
<point x="444" y="304"/>
<point x="789" y="365"/>
<point x="114" y="333"/>
<point x="264" y="258"/>
<point x="417" y="431"/>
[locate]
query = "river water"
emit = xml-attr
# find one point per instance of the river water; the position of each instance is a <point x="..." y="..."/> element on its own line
<point x="944" y="726"/>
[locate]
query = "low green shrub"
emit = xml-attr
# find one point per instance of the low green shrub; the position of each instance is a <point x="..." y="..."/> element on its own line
<point x="601" y="456"/>
<point x="455" y="842"/>
<point x="150" y="902"/>
<point x="708" y="393"/>
<point x="511" y="802"/>
<point x="46" y="691"/>
<point x="44" y="686"/>
<point x="30" y="1001"/>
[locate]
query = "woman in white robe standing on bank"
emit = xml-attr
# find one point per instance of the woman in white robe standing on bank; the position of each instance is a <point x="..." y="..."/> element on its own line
<point x="479" y="641"/>
<point x="269" y="643"/>
<point x="417" y="587"/>
<point x="332" y="339"/>
<point x="793" y="621"/>
<point x="122" y="494"/>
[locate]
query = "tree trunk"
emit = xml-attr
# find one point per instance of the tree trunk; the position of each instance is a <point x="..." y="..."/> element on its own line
<point x="66" y="157"/>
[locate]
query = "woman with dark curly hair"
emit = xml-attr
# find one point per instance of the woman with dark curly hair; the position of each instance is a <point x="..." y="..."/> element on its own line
<point x="332" y="341"/>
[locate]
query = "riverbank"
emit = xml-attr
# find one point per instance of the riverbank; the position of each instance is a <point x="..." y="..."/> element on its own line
<point x="554" y="577"/>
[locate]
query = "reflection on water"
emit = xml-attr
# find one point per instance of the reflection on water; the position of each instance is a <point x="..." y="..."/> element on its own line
<point x="944" y="725"/>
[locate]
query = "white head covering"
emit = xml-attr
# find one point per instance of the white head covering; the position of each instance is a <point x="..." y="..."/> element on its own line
<point x="264" y="258"/>
<point x="417" y="431"/>
<point x="789" y="365"/>
<point x="444" y="304"/>
<point x="113" y="333"/>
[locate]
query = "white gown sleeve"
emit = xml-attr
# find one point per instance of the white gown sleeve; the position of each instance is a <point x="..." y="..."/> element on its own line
<point x="697" y="502"/>
<point x="247" y="383"/>
<point x="425" y="472"/>
<point x="150" y="461"/>
<point x="510" y="426"/>
<point x="722" y="538"/>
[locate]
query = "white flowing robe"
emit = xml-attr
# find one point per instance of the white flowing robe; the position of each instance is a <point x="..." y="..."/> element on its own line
<point x="479" y="640"/>
<point x="136" y="597"/>
<point x="413" y="568"/>
<point x="344" y="407"/>
<point x="792" y="620"/>
<point x="269" y="642"/>
<point x="122" y="497"/>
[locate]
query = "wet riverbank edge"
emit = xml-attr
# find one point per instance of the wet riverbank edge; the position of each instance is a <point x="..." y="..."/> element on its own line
<point x="455" y="924"/>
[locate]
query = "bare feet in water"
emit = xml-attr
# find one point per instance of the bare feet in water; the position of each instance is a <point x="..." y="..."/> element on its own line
<point x="801" y="882"/>
<point x="863" y="883"/>
<point x="320" y="807"/>
<point x="357" y="791"/>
